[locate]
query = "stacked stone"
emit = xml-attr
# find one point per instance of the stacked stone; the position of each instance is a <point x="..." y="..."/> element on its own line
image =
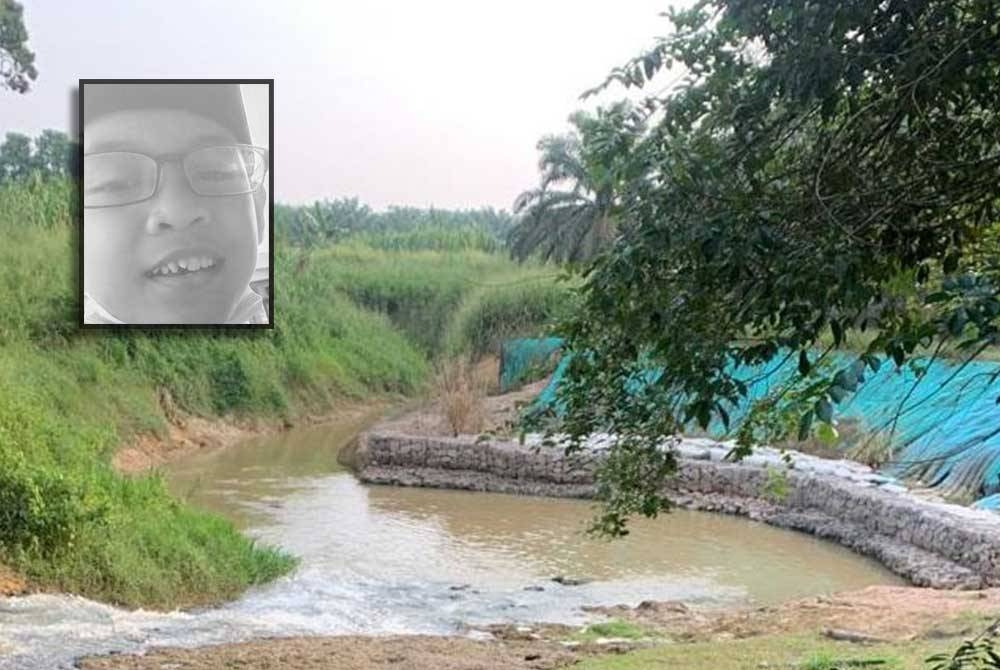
<point x="930" y="543"/>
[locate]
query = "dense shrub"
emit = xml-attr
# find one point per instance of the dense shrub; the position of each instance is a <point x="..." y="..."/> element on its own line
<point x="493" y="314"/>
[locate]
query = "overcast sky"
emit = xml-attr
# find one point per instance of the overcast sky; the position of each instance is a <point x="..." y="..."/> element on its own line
<point x="435" y="102"/>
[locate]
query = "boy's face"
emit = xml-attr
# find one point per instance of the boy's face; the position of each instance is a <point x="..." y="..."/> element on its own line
<point x="134" y="254"/>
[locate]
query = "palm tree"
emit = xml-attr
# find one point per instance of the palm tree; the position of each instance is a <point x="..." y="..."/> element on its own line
<point x="571" y="224"/>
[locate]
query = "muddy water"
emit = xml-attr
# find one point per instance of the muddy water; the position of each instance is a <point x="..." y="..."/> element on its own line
<point x="387" y="560"/>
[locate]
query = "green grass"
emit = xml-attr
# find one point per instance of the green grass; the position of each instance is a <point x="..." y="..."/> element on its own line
<point x="444" y="300"/>
<point x="433" y="237"/>
<point x="805" y="652"/>
<point x="352" y="323"/>
<point x="490" y="315"/>
<point x="615" y="628"/>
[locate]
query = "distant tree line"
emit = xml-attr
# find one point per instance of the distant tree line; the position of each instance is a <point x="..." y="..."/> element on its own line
<point x="331" y="221"/>
<point x="51" y="154"/>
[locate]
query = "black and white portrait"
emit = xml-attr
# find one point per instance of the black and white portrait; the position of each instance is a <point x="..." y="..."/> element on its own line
<point x="176" y="216"/>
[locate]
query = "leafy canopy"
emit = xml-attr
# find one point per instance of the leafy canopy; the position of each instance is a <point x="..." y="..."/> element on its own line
<point x="823" y="168"/>
<point x="573" y="214"/>
<point x="17" y="62"/>
<point x="51" y="154"/>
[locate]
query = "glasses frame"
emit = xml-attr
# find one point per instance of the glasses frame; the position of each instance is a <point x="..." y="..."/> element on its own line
<point x="181" y="158"/>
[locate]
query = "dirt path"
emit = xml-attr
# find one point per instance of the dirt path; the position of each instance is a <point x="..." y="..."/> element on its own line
<point x="891" y="613"/>
<point x="350" y="653"/>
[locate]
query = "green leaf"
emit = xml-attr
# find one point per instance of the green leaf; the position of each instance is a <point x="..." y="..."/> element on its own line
<point x="873" y="361"/>
<point x="824" y="410"/>
<point x="837" y="393"/>
<point x="805" y="423"/>
<point x="898" y="355"/>
<point x="957" y="321"/>
<point x="804" y="364"/>
<point x="838" y="332"/>
<point x="704" y="415"/>
<point x="846" y="379"/>
<point x="940" y="296"/>
<point x="827" y="434"/>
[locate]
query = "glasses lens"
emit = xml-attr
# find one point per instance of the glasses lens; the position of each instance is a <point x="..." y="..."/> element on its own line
<point x="225" y="170"/>
<point x="117" y="178"/>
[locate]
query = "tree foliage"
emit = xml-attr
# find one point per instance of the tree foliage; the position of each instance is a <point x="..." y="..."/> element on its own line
<point x="823" y="168"/>
<point x="332" y="221"/>
<point x="17" y="62"/>
<point x="573" y="214"/>
<point x="978" y="653"/>
<point x="51" y="154"/>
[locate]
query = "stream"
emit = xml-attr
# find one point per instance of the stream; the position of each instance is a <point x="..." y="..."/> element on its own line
<point x="382" y="560"/>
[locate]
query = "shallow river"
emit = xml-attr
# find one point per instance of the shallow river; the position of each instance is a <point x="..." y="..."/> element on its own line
<point x="393" y="560"/>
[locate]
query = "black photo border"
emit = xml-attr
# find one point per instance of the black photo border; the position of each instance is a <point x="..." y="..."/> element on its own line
<point x="270" y="223"/>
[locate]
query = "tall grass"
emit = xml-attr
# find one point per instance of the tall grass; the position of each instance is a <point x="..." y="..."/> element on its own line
<point x="492" y="314"/>
<point x="433" y="237"/>
<point x="460" y="394"/>
<point x="422" y="292"/>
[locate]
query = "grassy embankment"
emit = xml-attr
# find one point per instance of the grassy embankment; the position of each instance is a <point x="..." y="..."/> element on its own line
<point x="797" y="651"/>
<point x="801" y="652"/>
<point x="69" y="399"/>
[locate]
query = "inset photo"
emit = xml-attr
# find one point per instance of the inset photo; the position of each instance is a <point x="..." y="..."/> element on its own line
<point x="175" y="195"/>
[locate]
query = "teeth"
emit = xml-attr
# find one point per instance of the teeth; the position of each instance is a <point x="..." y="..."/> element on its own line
<point x="192" y="264"/>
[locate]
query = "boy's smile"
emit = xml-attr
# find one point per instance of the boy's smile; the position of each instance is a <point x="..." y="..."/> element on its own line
<point x="185" y="262"/>
<point x="176" y="257"/>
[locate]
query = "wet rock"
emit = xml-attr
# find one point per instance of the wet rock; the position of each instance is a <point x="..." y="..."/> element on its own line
<point x="570" y="581"/>
<point x="660" y="606"/>
<point x="851" y="636"/>
<point x="937" y="633"/>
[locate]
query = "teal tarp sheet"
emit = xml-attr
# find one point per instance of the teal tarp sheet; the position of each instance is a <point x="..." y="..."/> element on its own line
<point x="946" y="434"/>
<point x="519" y="356"/>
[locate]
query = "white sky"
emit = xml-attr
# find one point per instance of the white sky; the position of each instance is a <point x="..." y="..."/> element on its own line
<point x="437" y="102"/>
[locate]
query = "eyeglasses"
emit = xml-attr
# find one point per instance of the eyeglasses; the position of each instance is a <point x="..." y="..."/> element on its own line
<point x="115" y="178"/>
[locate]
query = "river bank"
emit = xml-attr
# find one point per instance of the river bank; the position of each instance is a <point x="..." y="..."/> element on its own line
<point x="903" y="624"/>
<point x="852" y="625"/>
<point x="187" y="435"/>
